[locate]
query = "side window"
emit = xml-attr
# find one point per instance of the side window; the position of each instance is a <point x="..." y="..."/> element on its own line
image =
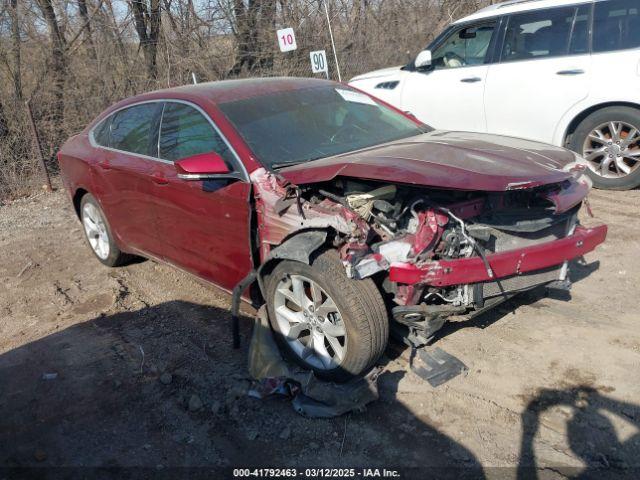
<point x="579" y="43"/>
<point x="185" y="132"/>
<point x="465" y="47"/>
<point x="132" y="128"/>
<point x="101" y="132"/>
<point x="541" y="34"/>
<point x="616" y="25"/>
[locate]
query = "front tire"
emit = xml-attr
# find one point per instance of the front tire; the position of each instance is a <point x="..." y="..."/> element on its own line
<point x="98" y="233"/>
<point x="325" y="321"/>
<point x="609" y="139"/>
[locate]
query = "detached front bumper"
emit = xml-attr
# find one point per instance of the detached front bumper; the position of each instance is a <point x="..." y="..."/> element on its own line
<point x="444" y="273"/>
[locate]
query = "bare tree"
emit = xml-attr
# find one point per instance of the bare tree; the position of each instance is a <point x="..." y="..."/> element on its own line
<point x="48" y="47"/>
<point x="252" y="20"/>
<point x="147" y="22"/>
<point x="4" y="125"/>
<point x="16" y="67"/>
<point x="58" y="62"/>
<point x="88" y="34"/>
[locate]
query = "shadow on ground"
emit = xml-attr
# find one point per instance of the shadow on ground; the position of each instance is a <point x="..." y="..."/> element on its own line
<point x="95" y="395"/>
<point x="579" y="270"/>
<point x="591" y="434"/>
<point x="161" y="387"/>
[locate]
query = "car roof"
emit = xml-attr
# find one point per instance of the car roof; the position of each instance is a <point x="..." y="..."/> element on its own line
<point x="516" y="6"/>
<point x="232" y="90"/>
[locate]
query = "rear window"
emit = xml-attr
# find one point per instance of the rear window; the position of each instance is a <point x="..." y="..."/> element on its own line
<point x="101" y="132"/>
<point x="131" y="129"/>
<point x="546" y="33"/>
<point x="616" y="25"/>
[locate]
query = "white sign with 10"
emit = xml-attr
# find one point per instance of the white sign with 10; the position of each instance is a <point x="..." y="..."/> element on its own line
<point x="287" y="40"/>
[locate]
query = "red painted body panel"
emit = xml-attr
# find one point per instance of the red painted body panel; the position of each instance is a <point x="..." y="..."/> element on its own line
<point x="127" y="196"/>
<point x="152" y="212"/>
<point x="204" y="226"/>
<point x="504" y="264"/>
<point x="450" y="160"/>
<point x="203" y="163"/>
<point x="569" y="197"/>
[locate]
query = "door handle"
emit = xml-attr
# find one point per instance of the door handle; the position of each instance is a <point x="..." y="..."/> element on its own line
<point x="576" y="71"/>
<point x="471" y="80"/>
<point x="104" y="164"/>
<point x="159" y="178"/>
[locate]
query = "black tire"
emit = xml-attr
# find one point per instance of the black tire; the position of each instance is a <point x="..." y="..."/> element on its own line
<point x="628" y="115"/>
<point x="360" y="304"/>
<point x="115" y="257"/>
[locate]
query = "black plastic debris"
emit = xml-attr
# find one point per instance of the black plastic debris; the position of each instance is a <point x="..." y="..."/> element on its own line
<point x="311" y="397"/>
<point x="435" y="366"/>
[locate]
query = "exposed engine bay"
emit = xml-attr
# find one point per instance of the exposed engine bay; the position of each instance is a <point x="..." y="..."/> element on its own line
<point x="411" y="240"/>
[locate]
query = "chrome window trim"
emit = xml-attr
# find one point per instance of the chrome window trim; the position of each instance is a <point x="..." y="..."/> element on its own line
<point x="164" y="105"/>
<point x="243" y="174"/>
<point x="210" y="176"/>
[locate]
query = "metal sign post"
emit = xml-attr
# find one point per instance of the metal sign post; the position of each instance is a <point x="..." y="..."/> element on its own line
<point x="38" y="149"/>
<point x="333" y="45"/>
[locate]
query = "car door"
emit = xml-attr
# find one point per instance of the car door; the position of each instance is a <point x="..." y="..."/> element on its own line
<point x="123" y="175"/>
<point x="204" y="225"/>
<point x="449" y="94"/>
<point x="544" y="70"/>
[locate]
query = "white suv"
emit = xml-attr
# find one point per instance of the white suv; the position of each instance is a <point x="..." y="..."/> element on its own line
<point x="565" y="72"/>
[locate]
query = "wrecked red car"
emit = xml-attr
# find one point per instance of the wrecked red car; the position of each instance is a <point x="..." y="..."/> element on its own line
<point x="347" y="217"/>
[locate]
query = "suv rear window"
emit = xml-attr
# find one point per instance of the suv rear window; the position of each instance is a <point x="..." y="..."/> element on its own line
<point x="546" y="33"/>
<point x="616" y="25"/>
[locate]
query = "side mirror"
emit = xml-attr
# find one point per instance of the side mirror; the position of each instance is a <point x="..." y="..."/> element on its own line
<point x="423" y="59"/>
<point x="468" y="34"/>
<point x="202" y="166"/>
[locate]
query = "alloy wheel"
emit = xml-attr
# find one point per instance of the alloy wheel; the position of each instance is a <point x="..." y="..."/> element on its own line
<point x="613" y="149"/>
<point x="96" y="230"/>
<point x="310" y="322"/>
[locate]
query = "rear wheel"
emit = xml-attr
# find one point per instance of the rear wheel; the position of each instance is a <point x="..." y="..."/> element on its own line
<point x="98" y="233"/>
<point x="609" y="140"/>
<point x="336" y="326"/>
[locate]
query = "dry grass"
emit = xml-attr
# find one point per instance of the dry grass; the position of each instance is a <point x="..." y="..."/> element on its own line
<point x="107" y="64"/>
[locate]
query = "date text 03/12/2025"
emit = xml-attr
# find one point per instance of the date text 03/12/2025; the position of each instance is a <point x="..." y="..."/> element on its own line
<point x="315" y="473"/>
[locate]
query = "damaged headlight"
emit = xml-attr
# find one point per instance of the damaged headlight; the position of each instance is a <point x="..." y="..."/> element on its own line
<point x="578" y="168"/>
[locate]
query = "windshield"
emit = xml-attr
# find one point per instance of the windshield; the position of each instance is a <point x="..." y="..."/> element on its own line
<point x="303" y="125"/>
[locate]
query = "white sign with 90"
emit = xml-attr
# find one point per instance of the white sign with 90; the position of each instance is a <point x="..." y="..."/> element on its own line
<point x="287" y="40"/>
<point x="319" y="62"/>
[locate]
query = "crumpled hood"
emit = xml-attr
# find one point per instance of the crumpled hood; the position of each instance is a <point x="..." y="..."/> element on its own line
<point x="456" y="160"/>
<point x="385" y="72"/>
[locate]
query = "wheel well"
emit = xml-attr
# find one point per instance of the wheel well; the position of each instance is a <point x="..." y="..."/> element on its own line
<point x="580" y="117"/>
<point x="77" y="199"/>
<point x="313" y="241"/>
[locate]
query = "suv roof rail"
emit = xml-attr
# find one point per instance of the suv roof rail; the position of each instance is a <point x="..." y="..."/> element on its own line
<point x="507" y="3"/>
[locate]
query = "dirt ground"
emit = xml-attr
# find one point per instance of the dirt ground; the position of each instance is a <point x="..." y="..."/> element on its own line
<point x="83" y="348"/>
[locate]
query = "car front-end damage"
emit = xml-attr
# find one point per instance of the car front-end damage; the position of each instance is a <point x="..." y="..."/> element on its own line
<point x="433" y="252"/>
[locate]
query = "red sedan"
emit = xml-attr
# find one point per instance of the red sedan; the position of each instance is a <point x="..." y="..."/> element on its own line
<point x="345" y="216"/>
